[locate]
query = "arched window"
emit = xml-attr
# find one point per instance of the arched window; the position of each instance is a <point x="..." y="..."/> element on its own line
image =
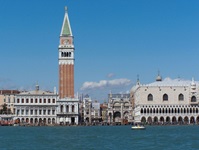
<point x="150" y="97"/>
<point x="73" y="108"/>
<point x="181" y="97"/>
<point x="69" y="54"/>
<point x="67" y="108"/>
<point x="165" y="97"/>
<point x="61" y="108"/>
<point x="193" y="99"/>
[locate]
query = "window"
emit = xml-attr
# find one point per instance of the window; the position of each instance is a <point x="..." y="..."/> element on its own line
<point x="44" y="100"/>
<point x="27" y="101"/>
<point x="73" y="108"/>
<point x="18" y="112"/>
<point x="35" y="111"/>
<point x="165" y="97"/>
<point x="150" y="97"/>
<point x="40" y="101"/>
<point x="44" y="112"/>
<point x="61" y="108"/>
<point x="8" y="99"/>
<point x="39" y="112"/>
<point x="22" y="112"/>
<point x="48" y="100"/>
<point x="22" y="101"/>
<point x="53" y="100"/>
<point x="48" y="112"/>
<point x="31" y="100"/>
<point x="35" y="100"/>
<point x="31" y="112"/>
<point x="181" y="97"/>
<point x="53" y="112"/>
<point x="193" y="99"/>
<point x="27" y="111"/>
<point x="67" y="108"/>
<point x="17" y="100"/>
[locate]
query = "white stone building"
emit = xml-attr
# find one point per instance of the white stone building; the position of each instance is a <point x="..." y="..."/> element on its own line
<point x="68" y="111"/>
<point x="95" y="112"/>
<point x="36" y="107"/>
<point x="86" y="108"/>
<point x="167" y="101"/>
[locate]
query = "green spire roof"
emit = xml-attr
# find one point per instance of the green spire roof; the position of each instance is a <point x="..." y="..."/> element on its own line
<point x="66" y="29"/>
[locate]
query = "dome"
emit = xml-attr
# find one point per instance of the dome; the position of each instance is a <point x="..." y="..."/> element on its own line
<point x="134" y="88"/>
<point x="158" y="78"/>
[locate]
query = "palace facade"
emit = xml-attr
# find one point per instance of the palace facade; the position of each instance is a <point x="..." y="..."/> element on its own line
<point x="36" y="107"/>
<point x="166" y="102"/>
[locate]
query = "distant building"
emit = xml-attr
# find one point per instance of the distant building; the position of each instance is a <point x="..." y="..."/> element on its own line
<point x="167" y="101"/>
<point x="95" y="112"/>
<point x="103" y="112"/>
<point x="90" y="110"/>
<point x="86" y="108"/>
<point x="8" y="97"/>
<point x="119" y="109"/>
<point x="36" y="107"/>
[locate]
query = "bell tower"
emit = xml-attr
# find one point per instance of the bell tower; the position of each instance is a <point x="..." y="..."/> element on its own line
<point x="66" y="60"/>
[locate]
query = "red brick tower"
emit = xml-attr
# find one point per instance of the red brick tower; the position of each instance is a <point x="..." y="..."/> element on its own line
<point x="66" y="60"/>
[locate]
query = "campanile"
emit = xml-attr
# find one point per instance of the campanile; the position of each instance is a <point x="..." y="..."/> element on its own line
<point x="66" y="60"/>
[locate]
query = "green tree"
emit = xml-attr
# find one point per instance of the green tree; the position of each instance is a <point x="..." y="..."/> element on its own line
<point x="4" y="109"/>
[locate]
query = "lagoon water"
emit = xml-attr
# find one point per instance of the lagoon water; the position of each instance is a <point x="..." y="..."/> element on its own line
<point x="99" y="138"/>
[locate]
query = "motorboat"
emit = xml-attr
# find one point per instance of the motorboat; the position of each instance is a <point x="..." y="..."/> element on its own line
<point x="15" y="124"/>
<point x="138" y="127"/>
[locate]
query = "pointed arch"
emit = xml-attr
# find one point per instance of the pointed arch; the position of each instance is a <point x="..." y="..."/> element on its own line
<point x="150" y="97"/>
<point x="193" y="99"/>
<point x="181" y="97"/>
<point x="165" y="97"/>
<point x="141" y="110"/>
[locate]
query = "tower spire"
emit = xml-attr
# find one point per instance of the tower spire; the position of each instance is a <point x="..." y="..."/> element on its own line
<point x="66" y="29"/>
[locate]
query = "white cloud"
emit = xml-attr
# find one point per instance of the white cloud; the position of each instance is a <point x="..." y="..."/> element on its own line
<point x="110" y="75"/>
<point x="105" y="83"/>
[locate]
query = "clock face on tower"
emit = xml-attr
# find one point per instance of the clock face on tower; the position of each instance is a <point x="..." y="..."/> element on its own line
<point x="66" y="41"/>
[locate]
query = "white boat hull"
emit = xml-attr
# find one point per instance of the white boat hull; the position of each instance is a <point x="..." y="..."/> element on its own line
<point x="138" y="128"/>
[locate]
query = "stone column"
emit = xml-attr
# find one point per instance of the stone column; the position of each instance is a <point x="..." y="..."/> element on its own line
<point x="70" y="108"/>
<point x="122" y="105"/>
<point x="89" y="105"/>
<point x="64" y="108"/>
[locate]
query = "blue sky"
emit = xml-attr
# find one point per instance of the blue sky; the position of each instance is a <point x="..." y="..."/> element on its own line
<point x="115" y="40"/>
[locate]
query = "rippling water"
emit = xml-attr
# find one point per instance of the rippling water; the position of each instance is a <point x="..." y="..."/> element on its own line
<point x="100" y="137"/>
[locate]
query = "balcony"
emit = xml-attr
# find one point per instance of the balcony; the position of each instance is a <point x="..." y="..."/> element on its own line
<point x="67" y="113"/>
